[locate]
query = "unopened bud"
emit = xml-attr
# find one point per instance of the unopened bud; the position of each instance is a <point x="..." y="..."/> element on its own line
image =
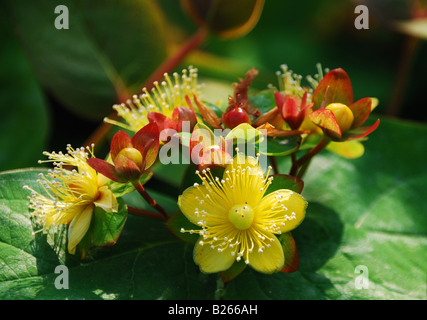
<point x="235" y="117"/>
<point x="132" y="154"/>
<point x="343" y="115"/>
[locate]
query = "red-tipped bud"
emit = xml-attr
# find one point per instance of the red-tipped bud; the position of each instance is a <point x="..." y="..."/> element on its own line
<point x="292" y="109"/>
<point x="131" y="157"/>
<point x="128" y="164"/>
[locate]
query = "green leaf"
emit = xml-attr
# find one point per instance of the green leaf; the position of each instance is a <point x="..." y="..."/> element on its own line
<point x="177" y="222"/>
<point x="91" y="65"/>
<point x="24" y="124"/>
<point x="121" y="189"/>
<point x="190" y="177"/>
<point x="106" y="227"/>
<point x="23" y="253"/>
<point x="245" y="133"/>
<point x="278" y="147"/>
<point x="171" y="174"/>
<point x="284" y="181"/>
<point x="263" y="101"/>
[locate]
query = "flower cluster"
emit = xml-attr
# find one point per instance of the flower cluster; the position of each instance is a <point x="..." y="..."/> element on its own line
<point x="241" y="213"/>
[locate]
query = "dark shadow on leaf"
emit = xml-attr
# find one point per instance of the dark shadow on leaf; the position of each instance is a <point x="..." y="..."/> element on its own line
<point x="318" y="237"/>
<point x="47" y="259"/>
<point x="317" y="240"/>
<point x="49" y="250"/>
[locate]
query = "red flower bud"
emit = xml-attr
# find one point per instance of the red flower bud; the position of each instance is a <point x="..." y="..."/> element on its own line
<point x="131" y="157"/>
<point x="236" y="116"/>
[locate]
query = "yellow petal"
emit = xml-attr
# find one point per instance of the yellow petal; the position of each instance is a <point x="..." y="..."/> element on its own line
<point x="78" y="228"/>
<point x="374" y="103"/>
<point x="211" y="260"/>
<point x="102" y="180"/>
<point x="350" y="149"/>
<point x="271" y="260"/>
<point x="66" y="216"/>
<point x="190" y="200"/>
<point x="106" y="200"/>
<point x="291" y="215"/>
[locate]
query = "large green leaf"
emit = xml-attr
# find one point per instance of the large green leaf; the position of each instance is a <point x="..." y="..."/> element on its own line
<point x="24" y="121"/>
<point x="109" y="50"/>
<point x="363" y="214"/>
<point x="23" y="255"/>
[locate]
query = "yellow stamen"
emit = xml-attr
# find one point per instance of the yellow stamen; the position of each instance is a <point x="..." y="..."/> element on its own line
<point x="163" y="98"/>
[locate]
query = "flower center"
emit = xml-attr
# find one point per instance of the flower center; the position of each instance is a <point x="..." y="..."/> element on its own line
<point x="241" y="216"/>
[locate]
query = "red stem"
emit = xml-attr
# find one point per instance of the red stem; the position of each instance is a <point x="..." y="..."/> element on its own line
<point x="144" y="213"/>
<point x="168" y="65"/>
<point x="294" y="154"/>
<point x="308" y="156"/>
<point x="402" y="76"/>
<point x="177" y="57"/>
<point x="273" y="163"/>
<point x="141" y="190"/>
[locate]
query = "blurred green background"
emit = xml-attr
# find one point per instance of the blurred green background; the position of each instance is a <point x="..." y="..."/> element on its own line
<point x="58" y="85"/>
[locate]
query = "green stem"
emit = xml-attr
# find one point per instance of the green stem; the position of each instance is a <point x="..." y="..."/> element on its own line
<point x="141" y="190"/>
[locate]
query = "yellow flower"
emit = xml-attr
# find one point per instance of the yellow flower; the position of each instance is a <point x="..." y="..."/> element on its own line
<point x="163" y="99"/>
<point x="71" y="195"/>
<point x="239" y="220"/>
